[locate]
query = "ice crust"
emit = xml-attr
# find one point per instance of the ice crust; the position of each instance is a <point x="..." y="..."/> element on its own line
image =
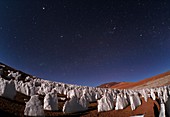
<point x="34" y="107"/>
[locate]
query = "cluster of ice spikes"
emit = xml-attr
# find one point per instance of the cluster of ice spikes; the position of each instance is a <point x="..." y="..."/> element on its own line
<point x="78" y="97"/>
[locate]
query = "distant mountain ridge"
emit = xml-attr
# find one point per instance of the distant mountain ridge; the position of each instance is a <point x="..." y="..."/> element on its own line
<point x="108" y="85"/>
<point x="155" y="81"/>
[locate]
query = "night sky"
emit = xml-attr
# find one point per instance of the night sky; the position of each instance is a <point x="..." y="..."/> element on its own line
<point x="86" y="42"/>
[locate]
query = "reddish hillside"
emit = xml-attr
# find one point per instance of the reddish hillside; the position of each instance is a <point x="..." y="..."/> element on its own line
<point x="158" y="80"/>
<point x="122" y="85"/>
<point x="108" y="85"/>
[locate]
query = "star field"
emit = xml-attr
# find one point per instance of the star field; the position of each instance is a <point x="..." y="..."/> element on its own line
<point x="87" y="42"/>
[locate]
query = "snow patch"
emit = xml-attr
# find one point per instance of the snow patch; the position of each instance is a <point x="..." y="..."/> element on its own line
<point x="34" y="107"/>
<point x="7" y="88"/>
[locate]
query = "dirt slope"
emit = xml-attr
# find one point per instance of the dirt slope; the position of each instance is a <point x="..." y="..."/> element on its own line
<point x="155" y="81"/>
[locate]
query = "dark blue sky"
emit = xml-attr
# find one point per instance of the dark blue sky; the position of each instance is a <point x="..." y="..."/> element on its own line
<point x="86" y="42"/>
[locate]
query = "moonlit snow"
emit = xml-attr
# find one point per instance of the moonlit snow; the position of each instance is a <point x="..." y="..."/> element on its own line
<point x="75" y="105"/>
<point x="167" y="105"/>
<point x="134" y="101"/>
<point x="51" y="101"/>
<point x="7" y="88"/>
<point x="162" y="110"/>
<point x="105" y="103"/>
<point x="121" y="103"/>
<point x="34" y="107"/>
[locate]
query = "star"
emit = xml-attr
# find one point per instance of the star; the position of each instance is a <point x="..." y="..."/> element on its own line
<point x="141" y="35"/>
<point x="163" y="23"/>
<point x="41" y="64"/>
<point x="114" y="28"/>
<point x="43" y="8"/>
<point x="78" y="35"/>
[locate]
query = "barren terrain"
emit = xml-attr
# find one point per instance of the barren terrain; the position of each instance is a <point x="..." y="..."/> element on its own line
<point x="155" y="81"/>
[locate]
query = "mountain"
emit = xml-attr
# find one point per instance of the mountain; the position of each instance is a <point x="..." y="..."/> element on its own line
<point x="155" y="81"/>
<point x="108" y="85"/>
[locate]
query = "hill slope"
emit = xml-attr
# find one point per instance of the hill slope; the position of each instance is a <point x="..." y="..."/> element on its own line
<point x="155" y="81"/>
